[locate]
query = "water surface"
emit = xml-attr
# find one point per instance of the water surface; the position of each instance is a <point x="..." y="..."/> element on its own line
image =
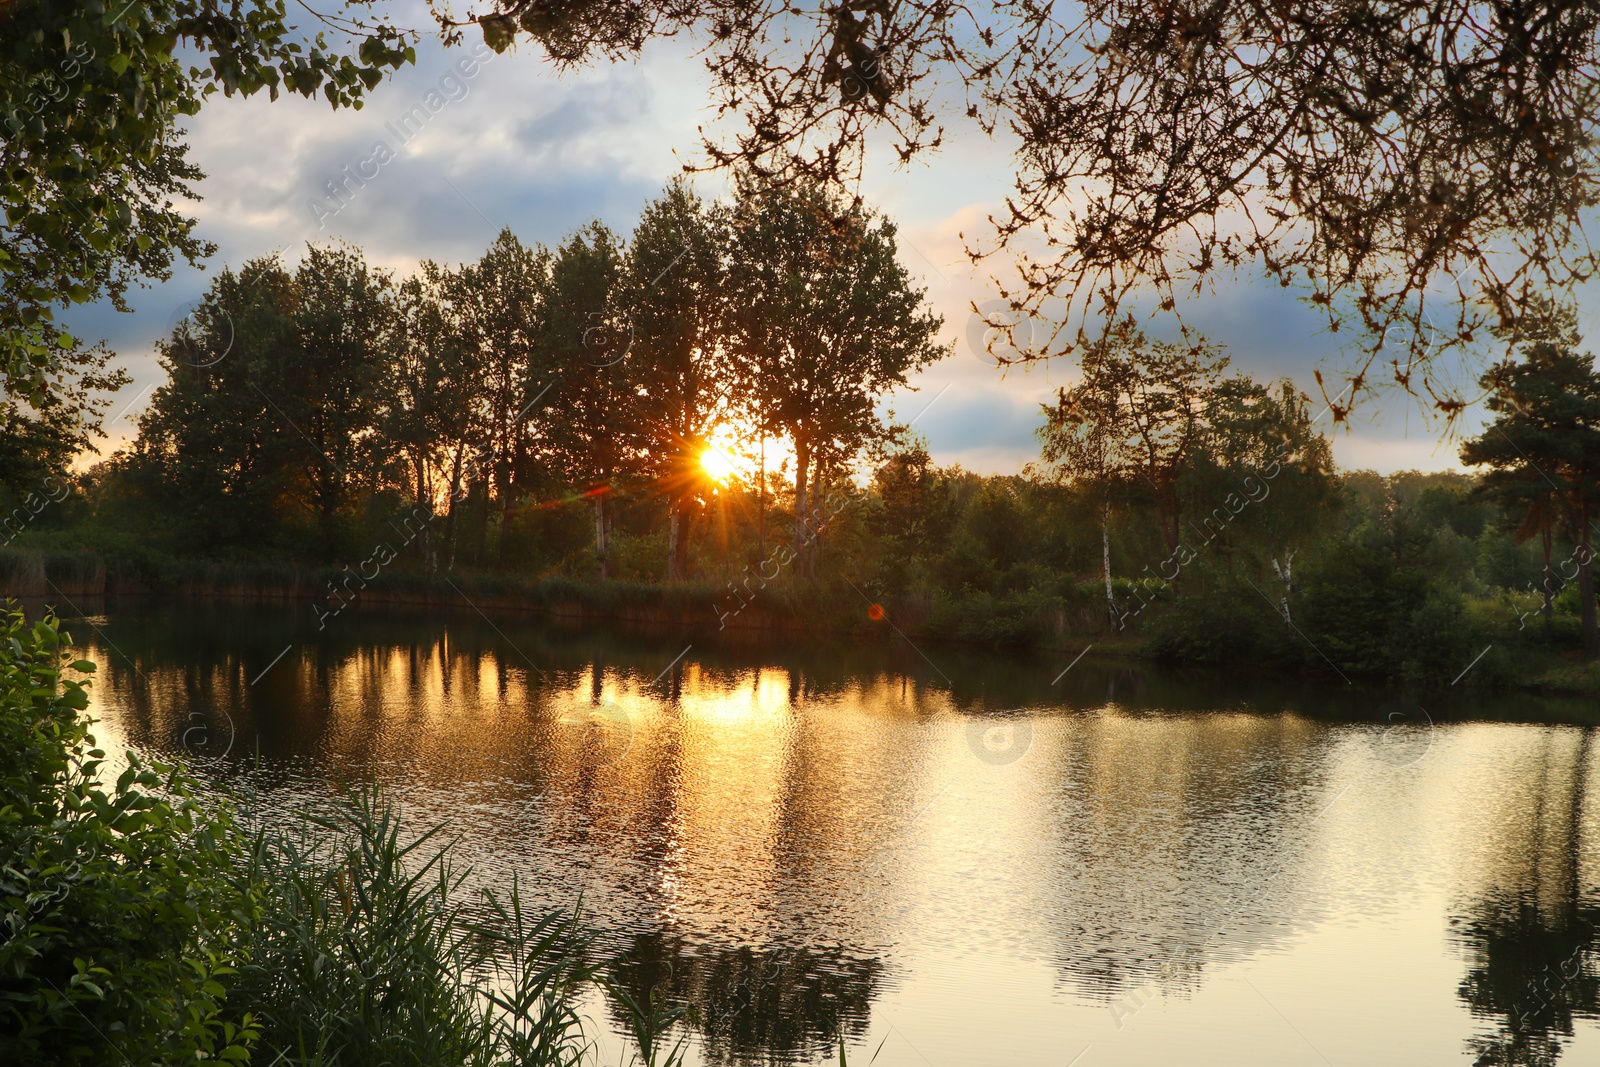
<point x="947" y="856"/>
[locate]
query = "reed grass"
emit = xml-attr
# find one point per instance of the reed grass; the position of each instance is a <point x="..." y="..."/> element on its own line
<point x="21" y="572"/>
<point x="362" y="953"/>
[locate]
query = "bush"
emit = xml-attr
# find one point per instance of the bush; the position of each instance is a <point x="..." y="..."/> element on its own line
<point x="1370" y="615"/>
<point x="1230" y="624"/>
<point x="119" y="901"/>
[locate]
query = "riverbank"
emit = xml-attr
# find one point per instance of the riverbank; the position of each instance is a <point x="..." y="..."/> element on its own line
<point x="781" y="604"/>
<point x="1490" y="643"/>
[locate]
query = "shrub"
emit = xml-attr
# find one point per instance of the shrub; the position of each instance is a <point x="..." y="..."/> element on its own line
<point x="119" y="902"/>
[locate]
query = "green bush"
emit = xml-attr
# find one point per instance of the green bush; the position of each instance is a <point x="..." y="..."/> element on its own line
<point x="120" y="906"/>
<point x="1226" y="623"/>
<point x="1369" y="614"/>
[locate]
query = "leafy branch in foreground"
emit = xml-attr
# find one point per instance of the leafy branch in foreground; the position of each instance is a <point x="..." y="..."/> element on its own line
<point x="119" y="920"/>
<point x="91" y="95"/>
<point x="1417" y="169"/>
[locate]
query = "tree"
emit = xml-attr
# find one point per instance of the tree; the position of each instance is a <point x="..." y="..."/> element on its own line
<point x="1362" y="153"/>
<point x="670" y="296"/>
<point x="1543" y="447"/>
<point x="421" y="411"/>
<point x="1149" y="400"/>
<point x="344" y="325"/>
<point x="1261" y="442"/>
<point x="271" y="405"/>
<point x="500" y="318"/>
<point x="1085" y="438"/>
<point x="210" y="440"/>
<point x="38" y="441"/>
<point x="586" y="347"/>
<point x="824" y="320"/>
<point x="91" y="97"/>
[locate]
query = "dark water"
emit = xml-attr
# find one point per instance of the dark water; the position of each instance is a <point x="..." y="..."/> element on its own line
<point x="948" y="857"/>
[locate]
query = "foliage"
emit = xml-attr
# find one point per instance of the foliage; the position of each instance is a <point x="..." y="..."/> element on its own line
<point x="1392" y="162"/>
<point x="264" y="427"/>
<point x="91" y="97"/>
<point x="1543" y="451"/>
<point x="121" y="922"/>
<point x="824" y="320"/>
<point x="40" y="437"/>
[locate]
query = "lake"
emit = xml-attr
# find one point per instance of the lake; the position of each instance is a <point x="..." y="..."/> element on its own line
<point x="947" y="855"/>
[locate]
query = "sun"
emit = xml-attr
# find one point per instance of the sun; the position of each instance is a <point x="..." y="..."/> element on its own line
<point x="715" y="462"/>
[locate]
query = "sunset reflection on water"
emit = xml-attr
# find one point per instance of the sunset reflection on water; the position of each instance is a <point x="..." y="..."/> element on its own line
<point x="964" y="863"/>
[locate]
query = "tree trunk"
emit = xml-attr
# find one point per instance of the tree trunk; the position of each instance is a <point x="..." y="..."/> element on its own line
<point x="685" y="530"/>
<point x="1105" y="560"/>
<point x="602" y="533"/>
<point x="429" y="557"/>
<point x="678" y="527"/>
<point x="761" y="501"/>
<point x="1591" y="631"/>
<point x="455" y="501"/>
<point x="802" y="518"/>
<point x="1285" y="575"/>
<point x="674" y="520"/>
<point x="1549" y="580"/>
<point x="816" y="520"/>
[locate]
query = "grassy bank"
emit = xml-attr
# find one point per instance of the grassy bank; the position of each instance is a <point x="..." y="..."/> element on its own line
<point x="784" y="603"/>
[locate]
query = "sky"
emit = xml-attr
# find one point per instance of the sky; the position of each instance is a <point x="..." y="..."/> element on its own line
<point x="449" y="151"/>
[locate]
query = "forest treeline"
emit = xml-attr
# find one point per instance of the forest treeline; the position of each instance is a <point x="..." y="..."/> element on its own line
<point x="699" y="406"/>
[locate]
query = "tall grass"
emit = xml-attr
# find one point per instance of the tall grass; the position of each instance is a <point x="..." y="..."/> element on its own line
<point x="21" y="573"/>
<point x="362" y="953"/>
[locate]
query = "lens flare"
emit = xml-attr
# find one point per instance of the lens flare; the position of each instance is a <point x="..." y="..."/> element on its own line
<point x="716" y="464"/>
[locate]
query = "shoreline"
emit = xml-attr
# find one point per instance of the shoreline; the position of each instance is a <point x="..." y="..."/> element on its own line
<point x="698" y="608"/>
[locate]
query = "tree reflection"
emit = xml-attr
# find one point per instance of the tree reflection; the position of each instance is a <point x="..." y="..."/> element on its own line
<point x="1534" y="962"/>
<point x="1532" y="975"/>
<point x="749" y="1005"/>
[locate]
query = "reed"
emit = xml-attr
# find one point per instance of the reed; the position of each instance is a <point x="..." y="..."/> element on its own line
<point x="22" y="573"/>
<point x="361" y="953"/>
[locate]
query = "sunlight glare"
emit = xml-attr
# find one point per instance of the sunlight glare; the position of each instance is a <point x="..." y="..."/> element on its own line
<point x="717" y="464"/>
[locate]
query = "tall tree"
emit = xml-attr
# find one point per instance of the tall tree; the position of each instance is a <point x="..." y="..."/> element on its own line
<point x="210" y="439"/>
<point x="271" y="405"/>
<point x="587" y="346"/>
<point x="824" y="321"/>
<point x="345" y="329"/>
<point x="1263" y="469"/>
<point x="1086" y="439"/>
<point x="412" y="392"/>
<point x="1544" y="445"/>
<point x="670" y="296"/>
<point x="499" y="308"/>
<point x="1151" y="397"/>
